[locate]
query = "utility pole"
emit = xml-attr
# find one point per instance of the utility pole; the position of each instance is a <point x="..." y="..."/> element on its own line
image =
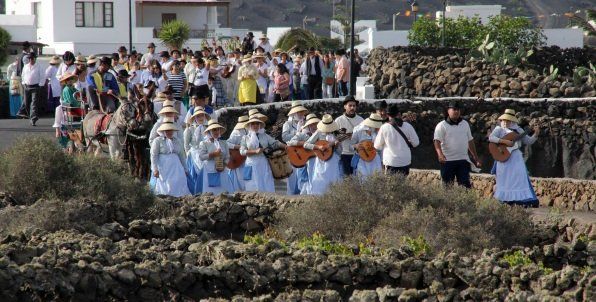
<point x="130" y="25"/>
<point x="394" y="18"/>
<point x="352" y="62"/>
<point x="443" y="17"/>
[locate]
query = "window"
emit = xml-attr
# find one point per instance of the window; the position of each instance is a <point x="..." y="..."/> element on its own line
<point x="94" y="14"/>
<point x="37" y="13"/>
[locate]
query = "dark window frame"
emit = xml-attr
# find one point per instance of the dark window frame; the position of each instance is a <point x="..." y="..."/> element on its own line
<point x="107" y="8"/>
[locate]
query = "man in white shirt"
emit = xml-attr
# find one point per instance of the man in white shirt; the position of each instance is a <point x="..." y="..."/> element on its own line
<point x="348" y="121"/>
<point x="314" y="66"/>
<point x="146" y="58"/>
<point x="453" y="139"/>
<point x="166" y="61"/>
<point x="33" y="77"/>
<point x="396" y="145"/>
<point x="265" y="45"/>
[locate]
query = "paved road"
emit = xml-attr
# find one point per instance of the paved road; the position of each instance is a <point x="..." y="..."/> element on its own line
<point x="13" y="129"/>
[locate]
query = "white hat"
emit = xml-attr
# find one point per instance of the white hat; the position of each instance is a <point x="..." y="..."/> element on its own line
<point x="160" y="97"/>
<point x="373" y="121"/>
<point x="263" y="37"/>
<point x="246" y="58"/>
<point x="327" y="124"/>
<point x="311" y="119"/>
<point x="167" y="125"/>
<point x="253" y="120"/>
<point x="91" y="59"/>
<point x="168" y="109"/>
<point x="198" y="111"/>
<point x="213" y="124"/>
<point x="241" y="122"/>
<point x="509" y="115"/>
<point x="296" y="107"/>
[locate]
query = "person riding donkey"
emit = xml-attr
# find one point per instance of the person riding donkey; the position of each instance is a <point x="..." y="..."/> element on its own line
<point x="103" y="88"/>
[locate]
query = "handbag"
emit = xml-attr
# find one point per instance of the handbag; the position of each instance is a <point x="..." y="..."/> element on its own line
<point x="247" y="173"/>
<point x="213" y="179"/>
<point x="329" y="81"/>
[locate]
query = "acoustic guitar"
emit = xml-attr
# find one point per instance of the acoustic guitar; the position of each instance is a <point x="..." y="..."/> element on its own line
<point x="236" y="159"/>
<point x="366" y="150"/>
<point x="299" y="156"/>
<point x="324" y="155"/>
<point x="501" y="152"/>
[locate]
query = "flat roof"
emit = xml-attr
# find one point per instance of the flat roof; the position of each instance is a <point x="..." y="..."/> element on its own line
<point x="186" y="2"/>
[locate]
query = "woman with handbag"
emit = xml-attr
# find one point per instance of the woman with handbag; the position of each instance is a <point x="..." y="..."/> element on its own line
<point x="215" y="155"/>
<point x="328" y="75"/>
<point x="282" y="83"/>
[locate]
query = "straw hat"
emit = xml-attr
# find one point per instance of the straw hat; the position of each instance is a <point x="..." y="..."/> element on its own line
<point x="168" y="103"/>
<point x="92" y="59"/>
<point x="55" y="60"/>
<point x="160" y="97"/>
<point x="67" y="76"/>
<point x="327" y="124"/>
<point x="373" y="121"/>
<point x="279" y="50"/>
<point x="80" y="60"/>
<point x="246" y="58"/>
<point x="252" y="112"/>
<point x="311" y="119"/>
<point x="263" y="37"/>
<point x="198" y="111"/>
<point x="213" y="124"/>
<point x="258" y="56"/>
<point x="253" y="120"/>
<point x="167" y="125"/>
<point x="509" y="115"/>
<point x="241" y="122"/>
<point x="296" y="107"/>
<point x="168" y="109"/>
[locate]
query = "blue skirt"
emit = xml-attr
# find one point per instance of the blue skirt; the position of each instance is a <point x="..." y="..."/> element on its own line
<point x="194" y="178"/>
<point x="15" y="104"/>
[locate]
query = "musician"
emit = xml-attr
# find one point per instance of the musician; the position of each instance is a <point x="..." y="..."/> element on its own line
<point x="294" y="123"/>
<point x="325" y="172"/>
<point x="304" y="174"/>
<point x="255" y="113"/>
<point x="215" y="155"/>
<point x="167" y="111"/>
<point x="396" y="138"/>
<point x="167" y="162"/>
<point x="366" y="132"/>
<point x="348" y="121"/>
<point x="453" y="140"/>
<point x="102" y="81"/>
<point x="234" y="141"/>
<point x="257" y="173"/>
<point x="513" y="184"/>
<point x="193" y="136"/>
<point x="381" y="109"/>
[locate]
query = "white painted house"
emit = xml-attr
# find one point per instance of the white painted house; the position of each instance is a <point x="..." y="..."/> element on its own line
<point x="100" y="26"/>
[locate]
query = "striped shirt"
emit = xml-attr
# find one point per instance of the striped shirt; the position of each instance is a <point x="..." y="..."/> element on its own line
<point x="177" y="83"/>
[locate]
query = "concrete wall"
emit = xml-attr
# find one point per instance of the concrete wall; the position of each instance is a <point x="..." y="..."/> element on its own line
<point x="150" y="15"/>
<point x="387" y="38"/>
<point x="469" y="11"/>
<point x="564" y="37"/>
<point x="20" y="28"/>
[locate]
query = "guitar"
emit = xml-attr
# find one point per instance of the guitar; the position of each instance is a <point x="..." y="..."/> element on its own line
<point x="501" y="152"/>
<point x="366" y="150"/>
<point x="236" y="159"/>
<point x="299" y="156"/>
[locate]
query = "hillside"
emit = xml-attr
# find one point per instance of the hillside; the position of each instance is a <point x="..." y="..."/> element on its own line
<point x="260" y="14"/>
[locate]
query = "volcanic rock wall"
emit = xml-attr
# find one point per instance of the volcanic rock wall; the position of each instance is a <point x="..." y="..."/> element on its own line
<point x="405" y="72"/>
<point x="566" y="147"/>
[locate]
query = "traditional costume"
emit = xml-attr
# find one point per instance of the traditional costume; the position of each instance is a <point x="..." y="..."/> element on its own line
<point x="216" y="177"/>
<point x="167" y="108"/>
<point x="325" y="172"/>
<point x="234" y="142"/>
<point x="304" y="174"/>
<point x="513" y="183"/>
<point x="366" y="131"/>
<point x="167" y="158"/>
<point x="247" y="75"/>
<point x="289" y="130"/>
<point x="193" y="136"/>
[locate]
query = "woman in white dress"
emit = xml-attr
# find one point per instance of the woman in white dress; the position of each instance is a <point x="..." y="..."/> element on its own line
<point x="304" y="174"/>
<point x="257" y="174"/>
<point x="234" y="141"/>
<point x="167" y="162"/>
<point x="215" y="155"/>
<point x="325" y="172"/>
<point x="366" y="131"/>
<point x="193" y="135"/>
<point x="290" y="128"/>
<point x="513" y="184"/>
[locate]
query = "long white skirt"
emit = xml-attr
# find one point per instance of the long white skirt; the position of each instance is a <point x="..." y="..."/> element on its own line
<point x="225" y="185"/>
<point x="366" y="168"/>
<point x="172" y="178"/>
<point x="293" y="186"/>
<point x="325" y="173"/>
<point x="237" y="178"/>
<point x="306" y="184"/>
<point x="261" y="178"/>
<point x="513" y="184"/>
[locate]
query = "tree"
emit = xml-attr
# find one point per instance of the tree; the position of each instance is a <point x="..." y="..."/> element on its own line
<point x="298" y="38"/>
<point x="174" y="34"/>
<point x="345" y="28"/>
<point x="514" y="32"/>
<point x="588" y="24"/>
<point x="329" y="43"/>
<point x="4" y="40"/>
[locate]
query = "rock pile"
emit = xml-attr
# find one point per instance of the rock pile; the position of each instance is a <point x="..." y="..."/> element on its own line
<point x="404" y="73"/>
<point x="139" y="264"/>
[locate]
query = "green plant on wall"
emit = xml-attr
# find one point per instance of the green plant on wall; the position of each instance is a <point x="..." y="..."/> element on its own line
<point x="174" y="34"/>
<point x="4" y="40"/>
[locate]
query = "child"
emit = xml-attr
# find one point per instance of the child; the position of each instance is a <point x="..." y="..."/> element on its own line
<point x="215" y="155"/>
<point x="325" y="172"/>
<point x="366" y="131"/>
<point x="304" y="174"/>
<point x="167" y="162"/>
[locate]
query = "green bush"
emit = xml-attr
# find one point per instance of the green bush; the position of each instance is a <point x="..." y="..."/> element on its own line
<point x="385" y="209"/>
<point x="174" y="34"/>
<point x="4" y="40"/>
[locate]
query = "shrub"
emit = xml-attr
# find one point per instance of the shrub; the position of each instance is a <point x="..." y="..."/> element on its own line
<point x="385" y="209"/>
<point x="4" y="40"/>
<point x="174" y="34"/>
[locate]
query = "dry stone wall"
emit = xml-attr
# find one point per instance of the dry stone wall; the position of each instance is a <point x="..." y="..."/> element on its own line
<point x="566" y="147"/>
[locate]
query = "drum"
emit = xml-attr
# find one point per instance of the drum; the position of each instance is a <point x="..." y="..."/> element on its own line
<point x="280" y="164"/>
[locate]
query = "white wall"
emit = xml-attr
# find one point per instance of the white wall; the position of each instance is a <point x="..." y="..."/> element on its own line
<point x="274" y="33"/>
<point x="196" y="17"/>
<point x="564" y="37"/>
<point x="20" y="27"/>
<point x="367" y="24"/>
<point x="470" y="11"/>
<point x="387" y="38"/>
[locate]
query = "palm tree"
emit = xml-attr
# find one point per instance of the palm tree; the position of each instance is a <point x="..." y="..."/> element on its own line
<point x="345" y="26"/>
<point x="298" y="38"/>
<point x="174" y="34"/>
<point x="588" y="24"/>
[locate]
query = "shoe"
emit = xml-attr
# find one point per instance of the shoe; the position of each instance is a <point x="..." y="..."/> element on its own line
<point x="22" y="115"/>
<point x="33" y="121"/>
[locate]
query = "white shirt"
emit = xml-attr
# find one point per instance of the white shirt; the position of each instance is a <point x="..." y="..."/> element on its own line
<point x="267" y="47"/>
<point x="63" y="69"/>
<point x="11" y="69"/>
<point x="33" y="75"/>
<point x="54" y="83"/>
<point x="396" y="152"/>
<point x="146" y="59"/>
<point x="202" y="77"/>
<point x="349" y="123"/>
<point x="261" y="80"/>
<point x="166" y="65"/>
<point x="454" y="139"/>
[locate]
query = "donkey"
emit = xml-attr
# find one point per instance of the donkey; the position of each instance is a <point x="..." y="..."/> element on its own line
<point x="138" y="129"/>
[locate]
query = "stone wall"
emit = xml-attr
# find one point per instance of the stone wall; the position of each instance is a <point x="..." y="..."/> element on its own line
<point x="563" y="193"/>
<point x="404" y="72"/>
<point x="566" y="147"/>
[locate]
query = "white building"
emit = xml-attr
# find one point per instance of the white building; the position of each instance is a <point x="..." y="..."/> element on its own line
<point x="484" y="12"/>
<point x="100" y="26"/>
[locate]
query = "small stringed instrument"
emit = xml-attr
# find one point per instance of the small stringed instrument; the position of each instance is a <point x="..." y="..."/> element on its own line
<point x="366" y="150"/>
<point x="236" y="159"/>
<point x="501" y="152"/>
<point x="341" y="135"/>
<point x="299" y="156"/>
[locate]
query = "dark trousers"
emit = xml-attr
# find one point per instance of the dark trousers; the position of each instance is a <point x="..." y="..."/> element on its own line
<point x="346" y="164"/>
<point x="342" y="88"/>
<point x="459" y="169"/>
<point x="31" y="102"/>
<point x="405" y="170"/>
<point x="314" y="87"/>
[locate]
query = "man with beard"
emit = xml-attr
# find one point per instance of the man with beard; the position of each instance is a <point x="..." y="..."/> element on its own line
<point x="102" y="82"/>
<point x="348" y="121"/>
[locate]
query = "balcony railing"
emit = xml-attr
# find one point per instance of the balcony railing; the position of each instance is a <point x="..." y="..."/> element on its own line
<point x="194" y="33"/>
